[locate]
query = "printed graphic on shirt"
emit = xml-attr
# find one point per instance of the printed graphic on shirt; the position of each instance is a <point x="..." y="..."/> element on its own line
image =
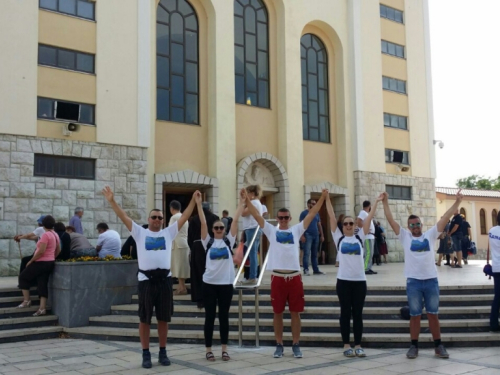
<point x="155" y="243"/>
<point x="351" y="248"/>
<point x="420" y="246"/>
<point x="219" y="253"/>
<point x="285" y="238"/>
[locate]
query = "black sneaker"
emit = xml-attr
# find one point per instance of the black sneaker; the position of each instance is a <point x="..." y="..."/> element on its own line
<point x="296" y="350"/>
<point x="163" y="359"/>
<point x="146" y="360"/>
<point x="412" y="352"/>
<point x="370" y="272"/>
<point x="278" y="353"/>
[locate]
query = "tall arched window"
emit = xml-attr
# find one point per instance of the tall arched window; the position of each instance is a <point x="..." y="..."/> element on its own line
<point x="462" y="212"/>
<point x="177" y="62"/>
<point x="251" y="53"/>
<point x="482" y="221"/>
<point x="494" y="215"/>
<point x="315" y="102"/>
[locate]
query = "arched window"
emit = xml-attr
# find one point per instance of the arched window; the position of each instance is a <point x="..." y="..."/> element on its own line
<point x="462" y="212"/>
<point x="494" y="215"/>
<point x="177" y="92"/>
<point x="482" y="221"/>
<point x="315" y="102"/>
<point x="251" y="53"/>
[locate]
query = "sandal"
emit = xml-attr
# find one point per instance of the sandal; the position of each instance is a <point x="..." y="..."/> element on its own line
<point x="24" y="304"/>
<point x="210" y="356"/>
<point x="40" y="312"/>
<point x="225" y="357"/>
<point x="349" y="353"/>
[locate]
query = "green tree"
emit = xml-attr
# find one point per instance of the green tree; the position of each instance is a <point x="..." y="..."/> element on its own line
<point x="479" y="182"/>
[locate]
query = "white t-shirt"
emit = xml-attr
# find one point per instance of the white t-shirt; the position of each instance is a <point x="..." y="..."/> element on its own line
<point x="264" y="209"/>
<point x="249" y="221"/>
<point x="219" y="265"/>
<point x="363" y="215"/>
<point x="111" y="244"/>
<point x="284" y="247"/>
<point x="494" y="238"/>
<point x="39" y="232"/>
<point x="350" y="256"/>
<point x="419" y="253"/>
<point x="154" y="249"/>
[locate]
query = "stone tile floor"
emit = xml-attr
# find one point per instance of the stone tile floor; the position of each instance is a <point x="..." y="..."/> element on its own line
<point x="72" y="357"/>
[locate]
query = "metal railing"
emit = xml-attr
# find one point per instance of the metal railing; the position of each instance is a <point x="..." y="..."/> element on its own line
<point x="255" y="287"/>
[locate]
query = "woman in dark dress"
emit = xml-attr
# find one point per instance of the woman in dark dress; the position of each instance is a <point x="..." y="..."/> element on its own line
<point x="65" y="241"/>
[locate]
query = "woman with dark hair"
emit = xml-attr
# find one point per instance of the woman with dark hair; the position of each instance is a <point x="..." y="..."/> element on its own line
<point x="40" y="266"/>
<point x="64" y="240"/>
<point x="494" y="247"/>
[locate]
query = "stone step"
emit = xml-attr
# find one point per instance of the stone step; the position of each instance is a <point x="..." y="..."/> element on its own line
<point x="306" y="339"/>
<point x="308" y="325"/>
<point x="14" y="312"/>
<point x="25" y="334"/>
<point x="14" y="292"/>
<point x="16" y="300"/>
<point x="28" y="322"/>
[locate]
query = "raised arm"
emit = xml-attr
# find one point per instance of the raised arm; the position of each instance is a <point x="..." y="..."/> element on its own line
<point x="253" y="211"/>
<point x="189" y="210"/>
<point x="331" y="214"/>
<point x="388" y="214"/>
<point x="110" y="197"/>
<point x="239" y="211"/>
<point x="315" y="209"/>
<point x="201" y="215"/>
<point x="441" y="224"/>
<point x="371" y="215"/>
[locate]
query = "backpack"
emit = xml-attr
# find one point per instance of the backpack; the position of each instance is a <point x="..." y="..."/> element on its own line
<point x="228" y="226"/>
<point x="341" y="238"/>
<point x="226" y="241"/>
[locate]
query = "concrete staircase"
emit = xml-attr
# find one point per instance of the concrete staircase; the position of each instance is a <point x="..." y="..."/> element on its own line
<point x="464" y="316"/>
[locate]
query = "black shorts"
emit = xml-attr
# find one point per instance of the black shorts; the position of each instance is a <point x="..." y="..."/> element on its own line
<point x="157" y="295"/>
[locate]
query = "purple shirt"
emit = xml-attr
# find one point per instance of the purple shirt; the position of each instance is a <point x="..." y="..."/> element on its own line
<point x="76" y="222"/>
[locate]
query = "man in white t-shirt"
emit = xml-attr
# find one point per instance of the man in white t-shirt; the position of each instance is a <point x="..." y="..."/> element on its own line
<point x="108" y="242"/>
<point x="286" y="279"/>
<point x="422" y="287"/>
<point x="154" y="250"/>
<point x="369" y="238"/>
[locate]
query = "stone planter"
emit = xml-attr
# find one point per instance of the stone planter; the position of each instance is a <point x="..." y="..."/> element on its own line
<point x="80" y="290"/>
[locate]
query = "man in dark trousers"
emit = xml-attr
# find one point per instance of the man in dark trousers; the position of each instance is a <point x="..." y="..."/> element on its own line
<point x="456" y="237"/>
<point x="198" y="255"/>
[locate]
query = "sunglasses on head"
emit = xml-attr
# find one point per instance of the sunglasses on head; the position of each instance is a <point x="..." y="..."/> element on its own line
<point x="348" y="223"/>
<point x="283" y="217"/>
<point x="413" y="225"/>
<point x="216" y="227"/>
<point x="156" y="217"/>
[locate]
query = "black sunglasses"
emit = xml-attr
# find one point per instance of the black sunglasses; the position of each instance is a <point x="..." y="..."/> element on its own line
<point x="346" y="223"/>
<point x="283" y="217"/>
<point x="156" y="217"/>
<point x="216" y="227"/>
<point x="413" y="225"/>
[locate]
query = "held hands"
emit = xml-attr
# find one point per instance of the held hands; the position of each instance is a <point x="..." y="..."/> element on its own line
<point x="197" y="197"/>
<point x="325" y="194"/>
<point x="243" y="196"/>
<point x="108" y="194"/>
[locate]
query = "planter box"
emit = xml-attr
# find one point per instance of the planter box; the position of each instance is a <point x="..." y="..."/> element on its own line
<point x="80" y="290"/>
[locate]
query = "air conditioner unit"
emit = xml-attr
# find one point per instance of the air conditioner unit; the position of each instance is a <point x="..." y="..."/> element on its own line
<point x="403" y="168"/>
<point x="70" y="128"/>
<point x="67" y="111"/>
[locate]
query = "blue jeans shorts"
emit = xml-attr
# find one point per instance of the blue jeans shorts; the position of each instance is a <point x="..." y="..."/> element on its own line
<point x="422" y="293"/>
<point x="457" y="242"/>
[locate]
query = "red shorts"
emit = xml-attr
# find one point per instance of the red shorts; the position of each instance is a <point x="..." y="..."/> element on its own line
<point x="287" y="289"/>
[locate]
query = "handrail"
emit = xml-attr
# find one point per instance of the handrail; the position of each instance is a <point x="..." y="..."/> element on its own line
<point x="255" y="287"/>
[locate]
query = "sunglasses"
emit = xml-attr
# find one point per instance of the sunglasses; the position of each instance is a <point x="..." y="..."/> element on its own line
<point x="413" y="225"/>
<point x="283" y="217"/>
<point x="348" y="223"/>
<point x="218" y="228"/>
<point x="156" y="217"/>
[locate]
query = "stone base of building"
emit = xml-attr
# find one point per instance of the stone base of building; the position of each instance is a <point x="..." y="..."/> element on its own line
<point x="368" y="185"/>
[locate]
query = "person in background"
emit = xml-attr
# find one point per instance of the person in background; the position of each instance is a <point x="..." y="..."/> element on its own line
<point x="108" y="242"/>
<point x="494" y="246"/>
<point x="180" y="249"/>
<point x="456" y="238"/>
<point x="369" y="239"/>
<point x="33" y="236"/>
<point x="227" y="220"/>
<point x="80" y="245"/>
<point x="312" y="239"/>
<point x="382" y="245"/>
<point x="444" y="246"/>
<point x="64" y="241"/>
<point x="76" y="220"/>
<point x="466" y="240"/>
<point x="265" y="214"/>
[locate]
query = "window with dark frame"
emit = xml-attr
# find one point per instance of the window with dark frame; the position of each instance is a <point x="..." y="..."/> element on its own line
<point x="251" y="53"/>
<point x="482" y="221"/>
<point x="78" y="8"/>
<point x="46" y="110"/>
<point x="494" y="215"/>
<point x="395" y="121"/>
<point x="315" y="93"/>
<point x="393" y="49"/>
<point x="399" y="192"/>
<point x="177" y="62"/>
<point x="393" y="84"/>
<point x="391" y="14"/>
<point x="389" y="156"/>
<point x="64" y="167"/>
<point x="65" y="59"/>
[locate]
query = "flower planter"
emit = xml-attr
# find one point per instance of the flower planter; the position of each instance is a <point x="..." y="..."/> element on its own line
<point x="80" y="290"/>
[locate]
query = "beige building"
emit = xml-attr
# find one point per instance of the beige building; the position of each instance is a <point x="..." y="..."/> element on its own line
<point x="480" y="208"/>
<point x="158" y="98"/>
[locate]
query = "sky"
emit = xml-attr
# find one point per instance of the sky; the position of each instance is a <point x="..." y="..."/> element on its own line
<point x="466" y="82"/>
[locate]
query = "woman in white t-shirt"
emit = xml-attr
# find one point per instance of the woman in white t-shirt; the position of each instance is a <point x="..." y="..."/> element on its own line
<point x="219" y="276"/>
<point x="351" y="278"/>
<point x="494" y="246"/>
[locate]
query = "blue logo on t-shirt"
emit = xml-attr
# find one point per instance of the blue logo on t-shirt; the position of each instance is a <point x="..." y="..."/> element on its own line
<point x="155" y="243"/>
<point x="218" y="253"/>
<point x="285" y="238"/>
<point x="420" y="246"/>
<point x="350" y="248"/>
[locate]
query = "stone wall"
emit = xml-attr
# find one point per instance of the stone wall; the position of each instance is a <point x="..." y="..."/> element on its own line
<point x="23" y="197"/>
<point x="368" y="185"/>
